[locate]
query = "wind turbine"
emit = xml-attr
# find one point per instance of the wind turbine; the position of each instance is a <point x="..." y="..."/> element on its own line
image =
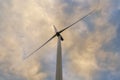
<point x="59" y="48"/>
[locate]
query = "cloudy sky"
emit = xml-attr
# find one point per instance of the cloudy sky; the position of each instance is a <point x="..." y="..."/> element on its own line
<point x="91" y="49"/>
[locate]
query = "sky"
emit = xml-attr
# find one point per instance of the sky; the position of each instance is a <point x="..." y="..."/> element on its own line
<point x="91" y="48"/>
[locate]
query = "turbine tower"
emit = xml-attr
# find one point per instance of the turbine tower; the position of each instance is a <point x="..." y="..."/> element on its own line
<point x="59" y="48"/>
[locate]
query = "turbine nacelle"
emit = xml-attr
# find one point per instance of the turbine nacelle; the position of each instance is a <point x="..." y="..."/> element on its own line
<point x="58" y="33"/>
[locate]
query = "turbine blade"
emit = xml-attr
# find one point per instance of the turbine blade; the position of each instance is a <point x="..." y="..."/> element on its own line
<point x="40" y="47"/>
<point x="76" y="21"/>
<point x="55" y="29"/>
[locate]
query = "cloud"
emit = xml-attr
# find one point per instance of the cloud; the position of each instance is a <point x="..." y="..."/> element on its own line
<point x="18" y="18"/>
<point x="83" y="50"/>
<point x="24" y="25"/>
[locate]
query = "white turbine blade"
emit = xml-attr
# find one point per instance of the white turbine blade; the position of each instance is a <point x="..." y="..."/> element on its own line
<point x="76" y="21"/>
<point x="40" y="47"/>
<point x="55" y="29"/>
